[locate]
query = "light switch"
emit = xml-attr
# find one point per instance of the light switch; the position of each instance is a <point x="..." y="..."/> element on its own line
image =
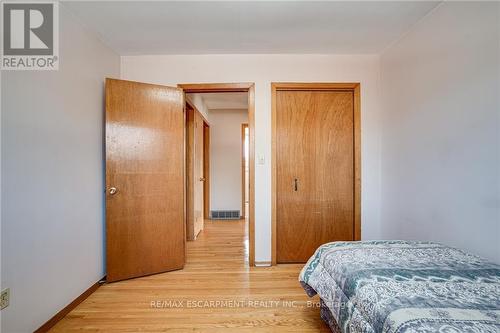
<point x="261" y="159"/>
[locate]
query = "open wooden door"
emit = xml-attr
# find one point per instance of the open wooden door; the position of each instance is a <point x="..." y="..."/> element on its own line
<point x="145" y="230"/>
<point x="195" y="170"/>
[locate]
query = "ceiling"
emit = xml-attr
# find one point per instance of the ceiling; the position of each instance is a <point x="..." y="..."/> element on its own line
<point x="225" y="101"/>
<point x="239" y="27"/>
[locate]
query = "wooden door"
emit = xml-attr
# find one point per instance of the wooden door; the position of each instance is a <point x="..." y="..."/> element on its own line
<point x="206" y="171"/>
<point x="314" y="170"/>
<point x="145" y="230"/>
<point x="196" y="177"/>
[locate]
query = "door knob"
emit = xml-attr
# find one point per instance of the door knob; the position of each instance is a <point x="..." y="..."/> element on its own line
<point x="112" y="190"/>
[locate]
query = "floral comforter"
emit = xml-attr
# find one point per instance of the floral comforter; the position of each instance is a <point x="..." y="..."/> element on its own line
<point x="401" y="286"/>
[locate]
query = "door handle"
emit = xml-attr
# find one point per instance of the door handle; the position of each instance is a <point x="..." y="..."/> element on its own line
<point x="296" y="185"/>
<point x="202" y="179"/>
<point x="113" y="190"/>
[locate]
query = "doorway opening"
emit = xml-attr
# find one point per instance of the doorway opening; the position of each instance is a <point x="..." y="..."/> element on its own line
<point x="219" y="169"/>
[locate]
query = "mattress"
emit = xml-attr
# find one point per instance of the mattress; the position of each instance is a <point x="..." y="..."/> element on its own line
<point x="403" y="286"/>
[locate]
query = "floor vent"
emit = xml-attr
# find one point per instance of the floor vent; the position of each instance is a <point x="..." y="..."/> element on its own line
<point x="225" y="214"/>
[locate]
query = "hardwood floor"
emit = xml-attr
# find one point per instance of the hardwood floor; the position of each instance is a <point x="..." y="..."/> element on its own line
<point x="266" y="299"/>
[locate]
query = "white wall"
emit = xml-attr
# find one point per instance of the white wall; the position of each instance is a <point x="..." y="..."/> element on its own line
<point x="52" y="178"/>
<point x="225" y="159"/>
<point x="199" y="104"/>
<point x="262" y="69"/>
<point x="441" y="125"/>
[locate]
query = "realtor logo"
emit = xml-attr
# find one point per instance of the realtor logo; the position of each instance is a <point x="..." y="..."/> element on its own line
<point x="30" y="36"/>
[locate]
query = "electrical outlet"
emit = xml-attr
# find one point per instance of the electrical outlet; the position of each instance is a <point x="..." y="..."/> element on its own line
<point x="5" y="298"/>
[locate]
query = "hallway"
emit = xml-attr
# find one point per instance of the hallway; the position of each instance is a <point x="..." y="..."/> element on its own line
<point x="261" y="299"/>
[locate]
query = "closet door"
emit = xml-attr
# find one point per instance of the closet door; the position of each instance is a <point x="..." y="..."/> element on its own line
<point x="314" y="171"/>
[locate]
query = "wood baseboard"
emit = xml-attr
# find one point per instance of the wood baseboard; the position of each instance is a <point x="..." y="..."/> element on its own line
<point x="67" y="309"/>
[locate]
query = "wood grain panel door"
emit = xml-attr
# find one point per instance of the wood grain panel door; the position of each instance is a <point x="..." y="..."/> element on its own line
<point x="315" y="171"/>
<point x="145" y="230"/>
<point x="198" y="173"/>
<point x="206" y="171"/>
<point x="195" y="177"/>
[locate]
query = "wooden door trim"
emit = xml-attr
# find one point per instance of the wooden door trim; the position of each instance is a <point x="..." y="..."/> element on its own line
<point x="216" y="87"/>
<point x="206" y="170"/>
<point x="297" y="86"/>
<point x="243" y="178"/>
<point x="250" y="89"/>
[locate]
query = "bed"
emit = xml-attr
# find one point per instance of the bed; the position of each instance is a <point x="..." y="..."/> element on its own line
<point x="402" y="286"/>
